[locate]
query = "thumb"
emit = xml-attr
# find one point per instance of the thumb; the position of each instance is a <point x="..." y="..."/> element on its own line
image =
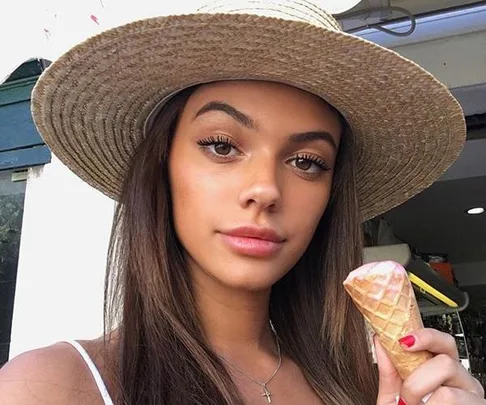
<point x="389" y="379"/>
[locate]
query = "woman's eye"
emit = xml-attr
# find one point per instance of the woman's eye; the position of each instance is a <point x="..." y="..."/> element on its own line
<point x="223" y="149"/>
<point x="218" y="147"/>
<point x="309" y="164"/>
<point x="303" y="164"/>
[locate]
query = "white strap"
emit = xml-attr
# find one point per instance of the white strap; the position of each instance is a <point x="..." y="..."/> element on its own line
<point x="94" y="371"/>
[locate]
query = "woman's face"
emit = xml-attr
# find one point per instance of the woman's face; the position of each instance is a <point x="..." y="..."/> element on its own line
<point x="251" y="167"/>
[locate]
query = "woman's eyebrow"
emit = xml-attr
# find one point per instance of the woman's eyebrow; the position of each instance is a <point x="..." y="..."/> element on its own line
<point x="246" y="121"/>
<point x="242" y="118"/>
<point x="314" y="136"/>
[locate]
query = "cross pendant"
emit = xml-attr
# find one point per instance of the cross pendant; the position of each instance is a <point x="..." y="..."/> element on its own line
<point x="267" y="393"/>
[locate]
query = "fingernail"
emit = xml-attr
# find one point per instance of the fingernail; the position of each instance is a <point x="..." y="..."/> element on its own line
<point x="401" y="402"/>
<point x="407" y="341"/>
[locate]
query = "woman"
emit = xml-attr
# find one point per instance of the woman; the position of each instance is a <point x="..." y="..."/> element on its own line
<point x="244" y="153"/>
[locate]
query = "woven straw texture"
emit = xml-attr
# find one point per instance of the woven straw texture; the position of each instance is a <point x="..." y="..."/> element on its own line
<point x="383" y="294"/>
<point x="91" y="105"/>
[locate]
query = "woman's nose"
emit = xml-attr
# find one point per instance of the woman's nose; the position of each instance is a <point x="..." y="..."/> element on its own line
<point x="261" y="187"/>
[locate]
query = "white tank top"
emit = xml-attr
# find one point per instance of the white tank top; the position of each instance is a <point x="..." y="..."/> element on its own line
<point x="94" y="371"/>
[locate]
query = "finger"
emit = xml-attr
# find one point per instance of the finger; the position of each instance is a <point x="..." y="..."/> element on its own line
<point x="453" y="396"/>
<point x="432" y="341"/>
<point x="442" y="370"/>
<point x="389" y="379"/>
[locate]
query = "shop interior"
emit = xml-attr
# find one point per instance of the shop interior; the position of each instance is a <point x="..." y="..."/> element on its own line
<point x="440" y="238"/>
<point x="440" y="234"/>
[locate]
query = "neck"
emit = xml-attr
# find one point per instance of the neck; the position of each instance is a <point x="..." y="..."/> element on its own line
<point x="235" y="322"/>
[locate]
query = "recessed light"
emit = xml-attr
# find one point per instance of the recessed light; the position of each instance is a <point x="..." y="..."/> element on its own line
<point x="475" y="211"/>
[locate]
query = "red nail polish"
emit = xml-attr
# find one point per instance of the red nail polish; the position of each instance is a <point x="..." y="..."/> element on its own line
<point x="407" y="341"/>
<point x="401" y="402"/>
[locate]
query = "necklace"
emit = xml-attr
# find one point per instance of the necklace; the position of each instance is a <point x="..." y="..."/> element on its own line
<point x="263" y="385"/>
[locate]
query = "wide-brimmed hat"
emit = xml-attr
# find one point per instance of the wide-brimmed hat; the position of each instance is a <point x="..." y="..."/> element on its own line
<point x="93" y="103"/>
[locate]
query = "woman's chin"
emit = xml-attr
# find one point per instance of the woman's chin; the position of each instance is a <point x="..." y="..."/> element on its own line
<point x="248" y="279"/>
<point x="239" y="272"/>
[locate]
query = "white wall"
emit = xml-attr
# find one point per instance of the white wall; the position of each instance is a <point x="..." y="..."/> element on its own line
<point x="457" y="61"/>
<point x="65" y="232"/>
<point x="450" y="44"/>
<point x="53" y="26"/>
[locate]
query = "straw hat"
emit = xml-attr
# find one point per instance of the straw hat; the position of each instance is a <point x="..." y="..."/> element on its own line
<point x="92" y="104"/>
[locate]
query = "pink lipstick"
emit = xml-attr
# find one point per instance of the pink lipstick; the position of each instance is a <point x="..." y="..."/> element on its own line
<point x="253" y="241"/>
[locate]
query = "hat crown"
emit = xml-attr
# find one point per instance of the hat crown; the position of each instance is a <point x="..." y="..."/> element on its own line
<point x="304" y="11"/>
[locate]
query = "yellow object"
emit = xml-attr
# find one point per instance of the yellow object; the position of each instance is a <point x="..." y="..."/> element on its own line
<point x="431" y="290"/>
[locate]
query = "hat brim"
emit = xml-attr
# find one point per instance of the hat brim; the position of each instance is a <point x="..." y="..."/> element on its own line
<point x="91" y="104"/>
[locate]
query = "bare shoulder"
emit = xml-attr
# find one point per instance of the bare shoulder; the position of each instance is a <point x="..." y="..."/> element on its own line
<point x="50" y="375"/>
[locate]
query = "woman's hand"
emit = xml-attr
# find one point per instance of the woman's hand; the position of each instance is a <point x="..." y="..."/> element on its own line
<point x="443" y="376"/>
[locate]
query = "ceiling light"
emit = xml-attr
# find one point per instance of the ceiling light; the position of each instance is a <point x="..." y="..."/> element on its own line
<point x="339" y="6"/>
<point x="475" y="211"/>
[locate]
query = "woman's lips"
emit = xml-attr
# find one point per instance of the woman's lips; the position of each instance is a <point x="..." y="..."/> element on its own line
<point x="253" y="241"/>
<point x="251" y="246"/>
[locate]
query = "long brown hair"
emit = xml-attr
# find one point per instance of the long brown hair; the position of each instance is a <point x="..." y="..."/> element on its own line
<point x="163" y="357"/>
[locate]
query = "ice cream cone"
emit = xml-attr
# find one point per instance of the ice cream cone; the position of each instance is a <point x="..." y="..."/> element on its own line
<point x="383" y="294"/>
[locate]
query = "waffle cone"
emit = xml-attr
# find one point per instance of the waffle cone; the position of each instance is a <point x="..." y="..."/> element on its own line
<point x="383" y="294"/>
